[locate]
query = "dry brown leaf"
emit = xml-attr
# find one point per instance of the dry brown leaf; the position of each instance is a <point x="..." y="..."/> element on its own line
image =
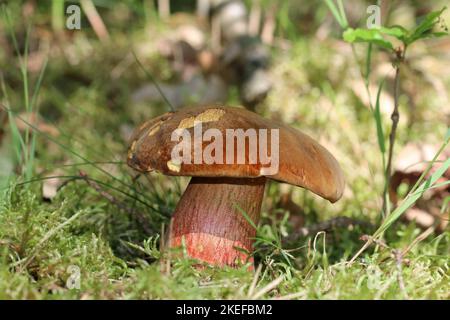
<point x="422" y="218"/>
<point x="410" y="164"/>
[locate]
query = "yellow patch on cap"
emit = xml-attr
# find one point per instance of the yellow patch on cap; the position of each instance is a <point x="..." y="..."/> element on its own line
<point x="133" y="146"/>
<point x="144" y="124"/>
<point x="174" y="165"/>
<point x="209" y="115"/>
<point x="132" y="149"/>
<point x="154" y="129"/>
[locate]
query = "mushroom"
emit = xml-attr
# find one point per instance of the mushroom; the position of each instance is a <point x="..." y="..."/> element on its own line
<point x="212" y="217"/>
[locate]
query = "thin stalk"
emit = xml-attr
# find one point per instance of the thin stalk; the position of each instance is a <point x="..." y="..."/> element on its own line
<point x="26" y="93"/>
<point x="153" y="81"/>
<point x="395" y="117"/>
<point x="364" y="77"/>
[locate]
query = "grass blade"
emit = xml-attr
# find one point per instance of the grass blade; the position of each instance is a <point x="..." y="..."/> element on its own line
<point x="342" y="14"/>
<point x="412" y="198"/>
<point x="335" y="13"/>
<point x="378" y="121"/>
<point x="154" y="82"/>
<point x="246" y="216"/>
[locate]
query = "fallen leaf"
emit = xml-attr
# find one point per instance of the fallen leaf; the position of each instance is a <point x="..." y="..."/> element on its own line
<point x="410" y="164"/>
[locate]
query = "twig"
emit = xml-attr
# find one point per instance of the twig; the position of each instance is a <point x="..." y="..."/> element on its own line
<point x="395" y="117"/>
<point x="380" y="243"/>
<point x="369" y="240"/>
<point x="291" y="296"/>
<point x="419" y="238"/>
<point x="164" y="249"/>
<point x="252" y="288"/>
<point x="272" y="285"/>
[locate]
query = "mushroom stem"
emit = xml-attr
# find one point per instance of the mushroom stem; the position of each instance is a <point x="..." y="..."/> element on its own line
<point x="209" y="219"/>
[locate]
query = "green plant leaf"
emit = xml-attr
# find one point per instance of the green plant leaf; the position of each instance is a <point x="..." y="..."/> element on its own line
<point x="342" y="14"/>
<point x="246" y="216"/>
<point x="367" y="35"/>
<point x="368" y="62"/>
<point x="377" y="115"/>
<point x="412" y="198"/>
<point x="395" y="31"/>
<point x="336" y="13"/>
<point x="423" y="30"/>
<point x="439" y="34"/>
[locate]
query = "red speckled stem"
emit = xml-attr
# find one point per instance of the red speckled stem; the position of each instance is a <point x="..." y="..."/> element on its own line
<point x="209" y="218"/>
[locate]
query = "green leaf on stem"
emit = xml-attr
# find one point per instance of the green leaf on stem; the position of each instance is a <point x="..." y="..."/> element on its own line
<point x="424" y="29"/>
<point x="367" y="35"/>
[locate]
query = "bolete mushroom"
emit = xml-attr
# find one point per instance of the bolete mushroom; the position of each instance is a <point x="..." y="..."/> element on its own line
<point x="226" y="190"/>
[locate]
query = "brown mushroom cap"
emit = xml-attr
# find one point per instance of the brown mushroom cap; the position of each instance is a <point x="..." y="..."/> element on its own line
<point x="302" y="161"/>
